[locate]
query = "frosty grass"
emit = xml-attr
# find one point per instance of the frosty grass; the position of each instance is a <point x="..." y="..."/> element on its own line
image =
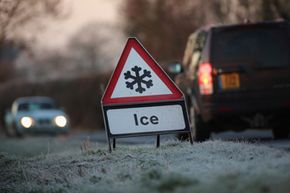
<point x="213" y="166"/>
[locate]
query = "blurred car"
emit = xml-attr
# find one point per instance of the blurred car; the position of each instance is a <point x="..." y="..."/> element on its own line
<point x="237" y="77"/>
<point x="35" y="115"/>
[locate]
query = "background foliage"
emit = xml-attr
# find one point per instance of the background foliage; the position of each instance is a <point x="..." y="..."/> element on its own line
<point x="77" y="76"/>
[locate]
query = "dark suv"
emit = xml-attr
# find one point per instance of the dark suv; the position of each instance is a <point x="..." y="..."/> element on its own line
<point x="237" y="77"/>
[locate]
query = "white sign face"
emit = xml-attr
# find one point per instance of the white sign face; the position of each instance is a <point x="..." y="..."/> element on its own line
<point x="138" y="79"/>
<point x="146" y="119"/>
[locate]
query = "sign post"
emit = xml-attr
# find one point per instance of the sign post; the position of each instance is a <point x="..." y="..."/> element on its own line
<point x="140" y="98"/>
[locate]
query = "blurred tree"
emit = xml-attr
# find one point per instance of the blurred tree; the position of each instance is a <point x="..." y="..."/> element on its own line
<point x="54" y="65"/>
<point x="8" y="53"/>
<point x="276" y="9"/>
<point x="229" y="11"/>
<point x="14" y="16"/>
<point x="86" y="47"/>
<point x="164" y="25"/>
<point x="92" y="47"/>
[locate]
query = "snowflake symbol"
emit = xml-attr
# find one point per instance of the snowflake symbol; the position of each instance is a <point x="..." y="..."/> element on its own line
<point x="138" y="79"/>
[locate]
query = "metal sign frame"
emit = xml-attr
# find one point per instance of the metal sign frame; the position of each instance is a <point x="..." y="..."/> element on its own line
<point x="176" y="98"/>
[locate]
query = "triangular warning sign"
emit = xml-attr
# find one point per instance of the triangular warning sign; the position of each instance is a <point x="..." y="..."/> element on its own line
<point x="138" y="78"/>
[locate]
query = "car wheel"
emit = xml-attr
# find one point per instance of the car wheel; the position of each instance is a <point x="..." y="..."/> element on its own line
<point x="15" y="131"/>
<point x="280" y="133"/>
<point x="8" y="131"/>
<point x="200" y="129"/>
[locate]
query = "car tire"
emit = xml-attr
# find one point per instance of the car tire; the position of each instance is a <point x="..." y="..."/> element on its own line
<point x="10" y="130"/>
<point x="19" y="135"/>
<point x="7" y="131"/>
<point x="200" y="129"/>
<point x="16" y="132"/>
<point x="280" y="133"/>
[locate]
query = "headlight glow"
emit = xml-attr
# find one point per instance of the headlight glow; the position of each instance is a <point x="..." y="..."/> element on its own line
<point x="60" y="121"/>
<point x="26" y="122"/>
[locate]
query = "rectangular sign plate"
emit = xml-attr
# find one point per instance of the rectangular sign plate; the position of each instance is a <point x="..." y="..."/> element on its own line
<point x="146" y="119"/>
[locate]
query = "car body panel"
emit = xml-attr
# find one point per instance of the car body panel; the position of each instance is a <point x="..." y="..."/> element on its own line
<point x="262" y="89"/>
<point x="43" y="119"/>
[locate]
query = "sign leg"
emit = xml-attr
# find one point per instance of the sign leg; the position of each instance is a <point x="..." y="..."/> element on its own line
<point x="158" y="141"/>
<point x="114" y="143"/>
<point x="190" y="138"/>
<point x="109" y="142"/>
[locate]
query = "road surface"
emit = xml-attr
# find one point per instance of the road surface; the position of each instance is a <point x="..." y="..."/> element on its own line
<point x="35" y="145"/>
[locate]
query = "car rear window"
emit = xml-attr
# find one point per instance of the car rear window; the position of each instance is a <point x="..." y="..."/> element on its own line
<point x="261" y="46"/>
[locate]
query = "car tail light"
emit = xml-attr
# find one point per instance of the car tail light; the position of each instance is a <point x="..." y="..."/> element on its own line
<point x="205" y="79"/>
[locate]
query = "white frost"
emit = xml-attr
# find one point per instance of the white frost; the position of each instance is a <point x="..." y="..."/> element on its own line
<point x="213" y="166"/>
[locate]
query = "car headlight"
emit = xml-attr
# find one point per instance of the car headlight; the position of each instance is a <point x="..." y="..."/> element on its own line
<point x="26" y="122"/>
<point x="60" y="121"/>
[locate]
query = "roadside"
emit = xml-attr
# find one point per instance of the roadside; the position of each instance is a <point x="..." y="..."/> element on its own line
<point x="211" y="167"/>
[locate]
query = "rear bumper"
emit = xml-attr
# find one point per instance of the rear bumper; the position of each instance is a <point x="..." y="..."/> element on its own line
<point x="241" y="107"/>
<point x="242" y="110"/>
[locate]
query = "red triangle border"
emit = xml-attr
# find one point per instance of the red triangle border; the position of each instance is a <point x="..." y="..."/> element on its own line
<point x="134" y="43"/>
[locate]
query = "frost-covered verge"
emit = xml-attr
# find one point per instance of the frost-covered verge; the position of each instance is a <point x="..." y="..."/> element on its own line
<point x="212" y="166"/>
